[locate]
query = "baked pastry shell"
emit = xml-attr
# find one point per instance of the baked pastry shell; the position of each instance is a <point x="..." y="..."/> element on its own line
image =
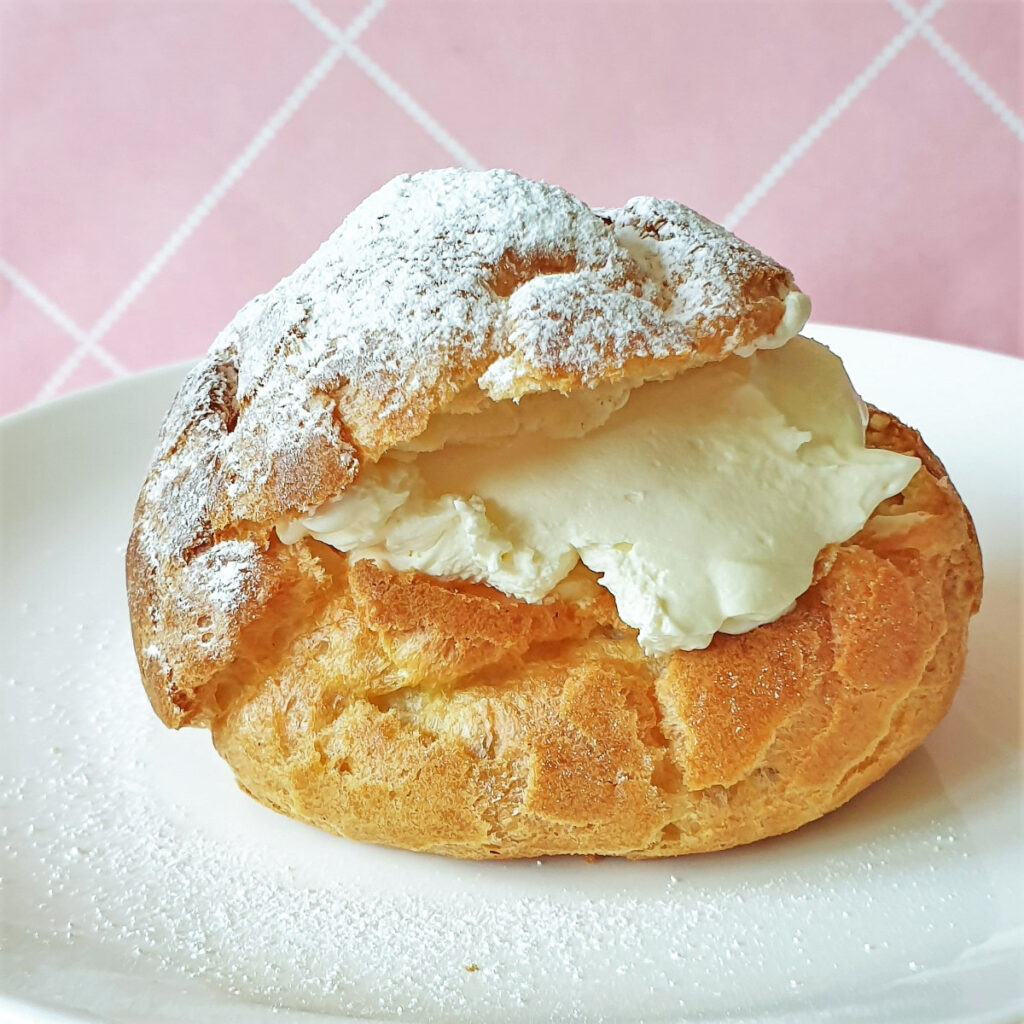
<point x="444" y="716"/>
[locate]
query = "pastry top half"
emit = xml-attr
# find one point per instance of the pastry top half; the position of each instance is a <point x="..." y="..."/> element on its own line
<point x="441" y="291"/>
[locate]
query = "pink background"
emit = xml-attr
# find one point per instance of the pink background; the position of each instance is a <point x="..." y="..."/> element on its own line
<point x="164" y="160"/>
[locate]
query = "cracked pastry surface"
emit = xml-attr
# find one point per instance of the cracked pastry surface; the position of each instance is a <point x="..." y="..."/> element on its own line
<point x="443" y="715"/>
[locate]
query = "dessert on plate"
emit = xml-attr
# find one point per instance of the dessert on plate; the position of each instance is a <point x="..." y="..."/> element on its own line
<point x="507" y="527"/>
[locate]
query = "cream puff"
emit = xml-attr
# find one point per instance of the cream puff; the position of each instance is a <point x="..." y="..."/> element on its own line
<point x="508" y="527"/>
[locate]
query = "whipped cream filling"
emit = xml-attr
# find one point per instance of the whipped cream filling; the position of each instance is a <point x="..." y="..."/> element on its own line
<point x="702" y="501"/>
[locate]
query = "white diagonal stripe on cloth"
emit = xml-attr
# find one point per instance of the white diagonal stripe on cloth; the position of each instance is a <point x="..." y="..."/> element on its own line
<point x="264" y="135"/>
<point x="61" y="374"/>
<point x="832" y="112"/>
<point x="42" y="301"/>
<point x="388" y="85"/>
<point x="323" y="23"/>
<point x="50" y="309"/>
<point x="965" y="72"/>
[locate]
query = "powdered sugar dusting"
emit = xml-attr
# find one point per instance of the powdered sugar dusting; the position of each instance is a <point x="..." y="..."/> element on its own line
<point x="694" y="262"/>
<point x="405" y="302"/>
<point x="438" y="281"/>
<point x="134" y="874"/>
<point x="225" y="571"/>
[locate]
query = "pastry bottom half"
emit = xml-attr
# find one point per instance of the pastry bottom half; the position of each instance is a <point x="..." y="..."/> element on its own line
<point x="444" y="717"/>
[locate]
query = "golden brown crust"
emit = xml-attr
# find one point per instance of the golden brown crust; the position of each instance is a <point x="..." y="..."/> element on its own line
<point x="403" y="710"/>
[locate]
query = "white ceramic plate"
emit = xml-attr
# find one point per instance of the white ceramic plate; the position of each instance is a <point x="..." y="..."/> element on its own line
<point x="138" y="884"/>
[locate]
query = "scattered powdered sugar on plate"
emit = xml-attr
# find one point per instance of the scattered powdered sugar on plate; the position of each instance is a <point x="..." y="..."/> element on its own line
<point x="135" y="872"/>
<point x="138" y="884"/>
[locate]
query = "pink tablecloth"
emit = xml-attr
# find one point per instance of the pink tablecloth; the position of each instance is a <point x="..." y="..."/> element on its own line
<point x="164" y="160"/>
